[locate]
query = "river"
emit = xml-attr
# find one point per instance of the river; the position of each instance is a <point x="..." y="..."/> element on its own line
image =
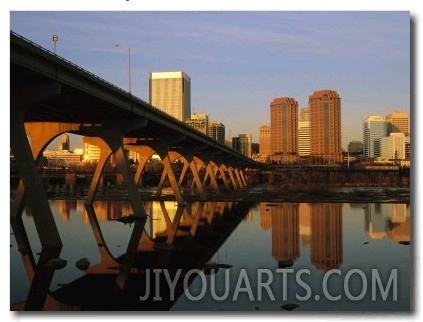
<point x="224" y="256"/>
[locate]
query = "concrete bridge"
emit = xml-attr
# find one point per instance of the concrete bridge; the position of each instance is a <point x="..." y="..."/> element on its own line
<point x="50" y="96"/>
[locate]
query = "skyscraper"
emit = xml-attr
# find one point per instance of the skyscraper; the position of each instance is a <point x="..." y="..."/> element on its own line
<point x="325" y="126"/>
<point x="374" y="128"/>
<point x="171" y="92"/>
<point x="264" y="140"/>
<point x="217" y="131"/>
<point x="398" y="122"/>
<point x="304" y="133"/>
<point x="284" y="126"/>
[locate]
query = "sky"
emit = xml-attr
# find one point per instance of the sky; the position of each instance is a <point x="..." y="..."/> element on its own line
<point x="239" y="61"/>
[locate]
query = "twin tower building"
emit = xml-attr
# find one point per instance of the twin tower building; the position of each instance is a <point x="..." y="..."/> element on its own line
<point x="316" y="133"/>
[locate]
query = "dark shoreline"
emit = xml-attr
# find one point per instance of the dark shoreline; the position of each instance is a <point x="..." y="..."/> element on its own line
<point x="271" y="193"/>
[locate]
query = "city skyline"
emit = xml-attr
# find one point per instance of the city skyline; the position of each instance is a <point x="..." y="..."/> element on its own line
<point x="240" y="61"/>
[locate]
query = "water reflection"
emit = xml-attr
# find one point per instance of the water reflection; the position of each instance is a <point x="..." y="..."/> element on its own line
<point x="387" y="220"/>
<point x="174" y="238"/>
<point x="182" y="238"/>
<point x="326" y="235"/>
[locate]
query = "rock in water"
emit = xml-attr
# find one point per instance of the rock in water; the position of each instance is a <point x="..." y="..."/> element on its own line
<point x="55" y="263"/>
<point x="290" y="306"/>
<point x="83" y="264"/>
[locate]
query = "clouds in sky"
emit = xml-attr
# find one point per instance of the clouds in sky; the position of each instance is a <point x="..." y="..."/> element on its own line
<point x="239" y="61"/>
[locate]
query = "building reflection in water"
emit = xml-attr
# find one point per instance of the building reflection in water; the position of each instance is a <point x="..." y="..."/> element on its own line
<point x="305" y="224"/>
<point x="387" y="220"/>
<point x="326" y="235"/>
<point x="318" y="226"/>
<point x="285" y="233"/>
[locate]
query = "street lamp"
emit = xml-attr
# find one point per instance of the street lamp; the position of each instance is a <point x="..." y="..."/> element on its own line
<point x="55" y="39"/>
<point x="128" y="50"/>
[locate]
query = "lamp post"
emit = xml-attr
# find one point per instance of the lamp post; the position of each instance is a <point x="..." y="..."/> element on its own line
<point x="128" y="50"/>
<point x="55" y="39"/>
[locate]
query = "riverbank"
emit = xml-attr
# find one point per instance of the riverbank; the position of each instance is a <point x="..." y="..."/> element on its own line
<point x="273" y="193"/>
<point x="279" y="194"/>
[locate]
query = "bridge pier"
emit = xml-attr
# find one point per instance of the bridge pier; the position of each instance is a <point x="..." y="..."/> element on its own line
<point x="211" y="175"/>
<point x="223" y="176"/>
<point x="190" y="162"/>
<point x="34" y="190"/>
<point x="110" y="140"/>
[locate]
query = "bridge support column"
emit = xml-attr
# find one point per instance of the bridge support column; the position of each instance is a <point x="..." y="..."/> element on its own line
<point x="168" y="172"/>
<point x="190" y="163"/>
<point x="210" y="174"/>
<point x="34" y="190"/>
<point x="232" y="177"/>
<point x="223" y="176"/>
<point x="145" y="154"/>
<point x="105" y="153"/>
<point x="197" y="218"/>
<point x="41" y="133"/>
<point x="242" y="177"/>
<point x="111" y="142"/>
<point x="238" y="177"/>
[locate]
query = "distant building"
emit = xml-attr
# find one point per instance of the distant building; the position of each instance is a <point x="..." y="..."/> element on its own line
<point x="242" y="144"/>
<point x="374" y="128"/>
<point x="199" y="121"/>
<point x="171" y="93"/>
<point x="91" y="152"/>
<point x="398" y="122"/>
<point x="284" y="129"/>
<point x="303" y="138"/>
<point x="62" y="158"/>
<point x="264" y="142"/>
<point x="325" y="126"/>
<point x="393" y="147"/>
<point x="304" y="114"/>
<point x="304" y="133"/>
<point x="229" y="142"/>
<point x="64" y="143"/>
<point x="217" y="131"/>
<point x="355" y="148"/>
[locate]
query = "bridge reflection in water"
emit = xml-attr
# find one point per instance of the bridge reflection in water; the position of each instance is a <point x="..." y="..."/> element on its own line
<point x="175" y="238"/>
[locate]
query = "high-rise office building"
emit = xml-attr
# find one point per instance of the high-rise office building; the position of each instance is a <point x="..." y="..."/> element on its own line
<point x="374" y="128"/>
<point x="325" y="126"/>
<point x="398" y="122"/>
<point x="242" y="144"/>
<point x="304" y="114"/>
<point x="264" y="142"/>
<point x="171" y="93"/>
<point x="64" y="142"/>
<point x="284" y="129"/>
<point x="393" y="147"/>
<point x="217" y="131"/>
<point x="199" y="121"/>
